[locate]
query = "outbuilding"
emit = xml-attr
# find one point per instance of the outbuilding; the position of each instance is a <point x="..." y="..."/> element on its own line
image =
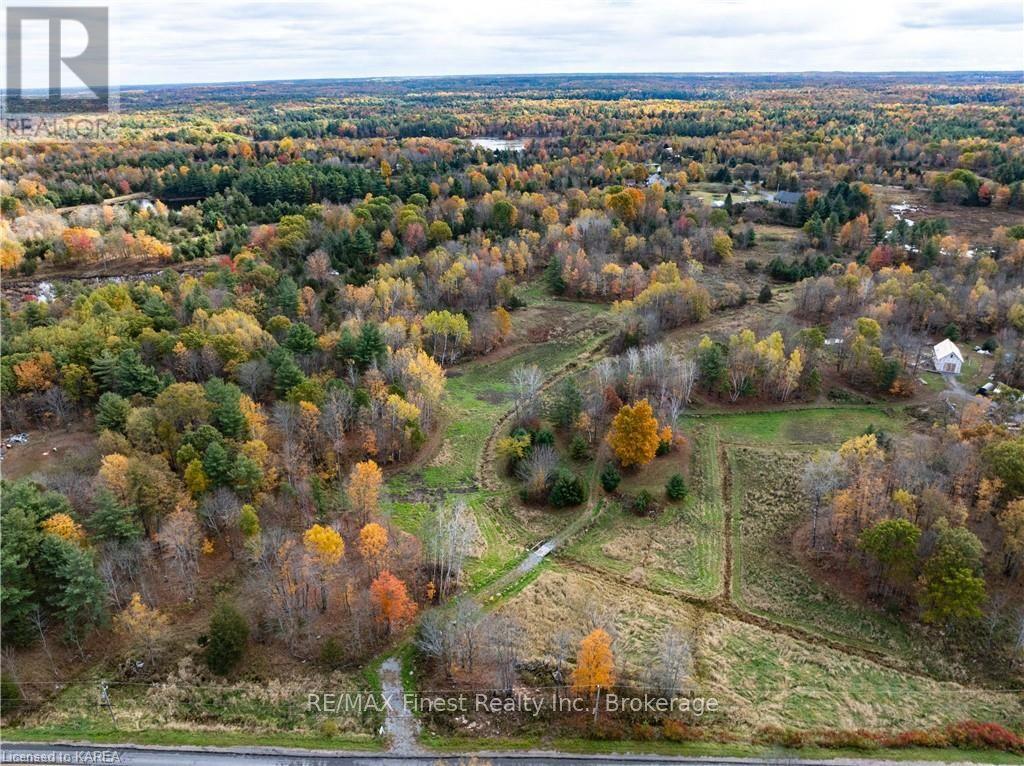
<point x="948" y="357"/>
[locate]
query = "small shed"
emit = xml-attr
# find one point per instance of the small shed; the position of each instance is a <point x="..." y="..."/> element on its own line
<point x="948" y="357"/>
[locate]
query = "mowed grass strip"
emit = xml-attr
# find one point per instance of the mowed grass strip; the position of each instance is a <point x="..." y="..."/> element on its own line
<point x="682" y="548"/>
<point x="825" y="426"/>
<point x="477" y="397"/>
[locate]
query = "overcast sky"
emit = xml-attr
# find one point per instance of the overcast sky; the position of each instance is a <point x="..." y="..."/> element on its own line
<point x="171" y="41"/>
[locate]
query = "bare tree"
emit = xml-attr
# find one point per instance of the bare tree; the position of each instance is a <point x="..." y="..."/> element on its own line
<point x="55" y="403"/>
<point x="563" y="643"/>
<point x="526" y="384"/>
<point x="504" y="643"/>
<point x="220" y="509"/>
<point x="670" y="667"/>
<point x="450" y="535"/>
<point x="254" y="377"/>
<point x="436" y="639"/>
<point x="536" y="468"/>
<point x="821" y="476"/>
<point x="39" y="622"/>
<point x="686" y="376"/>
<point x="466" y="629"/>
<point x="179" y="537"/>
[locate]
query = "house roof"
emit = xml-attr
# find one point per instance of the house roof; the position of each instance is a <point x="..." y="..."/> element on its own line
<point x="788" y="197"/>
<point x="945" y="348"/>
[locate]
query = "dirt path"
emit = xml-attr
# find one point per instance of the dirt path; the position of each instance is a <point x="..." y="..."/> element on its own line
<point x="727" y="520"/>
<point x="400" y="724"/>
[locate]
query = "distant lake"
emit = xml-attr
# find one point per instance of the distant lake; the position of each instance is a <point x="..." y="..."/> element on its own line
<point x="499" y="144"/>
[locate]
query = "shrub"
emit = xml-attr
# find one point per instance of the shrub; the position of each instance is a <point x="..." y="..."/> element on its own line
<point x="566" y="489"/>
<point x="676" y="487"/>
<point x="765" y="296"/>
<point x="676" y="731"/>
<point x="578" y="448"/>
<point x="332" y="654"/>
<point x="980" y="735"/>
<point x="544" y="436"/>
<point x="990" y="345"/>
<point x="228" y="635"/>
<point x="643" y="504"/>
<point x="610" y="478"/>
<point x="329" y="727"/>
<point x="10" y="692"/>
<point x="752" y="266"/>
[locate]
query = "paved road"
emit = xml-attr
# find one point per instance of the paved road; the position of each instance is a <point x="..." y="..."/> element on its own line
<point x="98" y="755"/>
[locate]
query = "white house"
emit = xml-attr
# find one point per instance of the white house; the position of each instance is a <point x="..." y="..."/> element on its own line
<point x="947" y="357"/>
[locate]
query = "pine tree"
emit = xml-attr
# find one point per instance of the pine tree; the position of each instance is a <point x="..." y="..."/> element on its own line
<point x="217" y="464"/>
<point x="229" y="633"/>
<point x="370" y="349"/>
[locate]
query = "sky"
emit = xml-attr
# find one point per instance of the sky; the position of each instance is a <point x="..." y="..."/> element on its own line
<point x="177" y="41"/>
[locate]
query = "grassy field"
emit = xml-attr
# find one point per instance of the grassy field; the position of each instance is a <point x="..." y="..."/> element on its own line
<point x="682" y="548"/>
<point x="767" y="578"/>
<point x="821" y="426"/>
<point x="478" y="394"/>
<point x="761" y="678"/>
<point x="187" y="708"/>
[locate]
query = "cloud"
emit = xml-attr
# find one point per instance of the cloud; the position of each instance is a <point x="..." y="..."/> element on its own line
<point x="929" y="15"/>
<point x="231" y="40"/>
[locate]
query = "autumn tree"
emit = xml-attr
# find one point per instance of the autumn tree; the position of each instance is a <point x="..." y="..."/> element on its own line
<point x="634" y="434"/>
<point x="595" y="664"/>
<point x="144" y="627"/>
<point x="180" y="538"/>
<point x="395" y="608"/>
<point x="363" y="489"/>
<point x="373" y="543"/>
<point x="325" y="549"/>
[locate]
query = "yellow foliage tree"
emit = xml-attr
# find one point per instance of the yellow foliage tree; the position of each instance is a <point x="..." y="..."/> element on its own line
<point x="373" y="542"/>
<point x="595" y="663"/>
<point x="145" y="627"/>
<point x="113" y="475"/>
<point x="634" y="434"/>
<point x="63" y="526"/>
<point x="363" y="490"/>
<point x="324" y="545"/>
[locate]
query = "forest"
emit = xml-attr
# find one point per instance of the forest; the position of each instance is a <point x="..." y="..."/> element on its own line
<point x="522" y="383"/>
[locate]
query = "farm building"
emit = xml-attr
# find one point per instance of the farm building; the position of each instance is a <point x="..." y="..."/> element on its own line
<point x="948" y="357"/>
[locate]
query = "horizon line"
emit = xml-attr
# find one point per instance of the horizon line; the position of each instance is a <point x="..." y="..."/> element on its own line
<point x="480" y="75"/>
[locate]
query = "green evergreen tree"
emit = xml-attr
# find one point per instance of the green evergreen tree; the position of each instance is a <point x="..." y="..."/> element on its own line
<point x="229" y="633"/>
<point x="301" y="339"/>
<point x="217" y="464"/>
<point x="675" y="489"/>
<point x="113" y="521"/>
<point x="370" y="349"/>
<point x="566" y="489"/>
<point x="610" y="478"/>
<point x="112" y="412"/>
<point x="227" y="413"/>
<point x="567" y="405"/>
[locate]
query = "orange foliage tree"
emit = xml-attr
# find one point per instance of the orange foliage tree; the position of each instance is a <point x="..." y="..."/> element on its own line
<point x="595" y="663"/>
<point x="363" y="490"/>
<point x="373" y="543"/>
<point x="391" y="599"/>
<point x="634" y="434"/>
